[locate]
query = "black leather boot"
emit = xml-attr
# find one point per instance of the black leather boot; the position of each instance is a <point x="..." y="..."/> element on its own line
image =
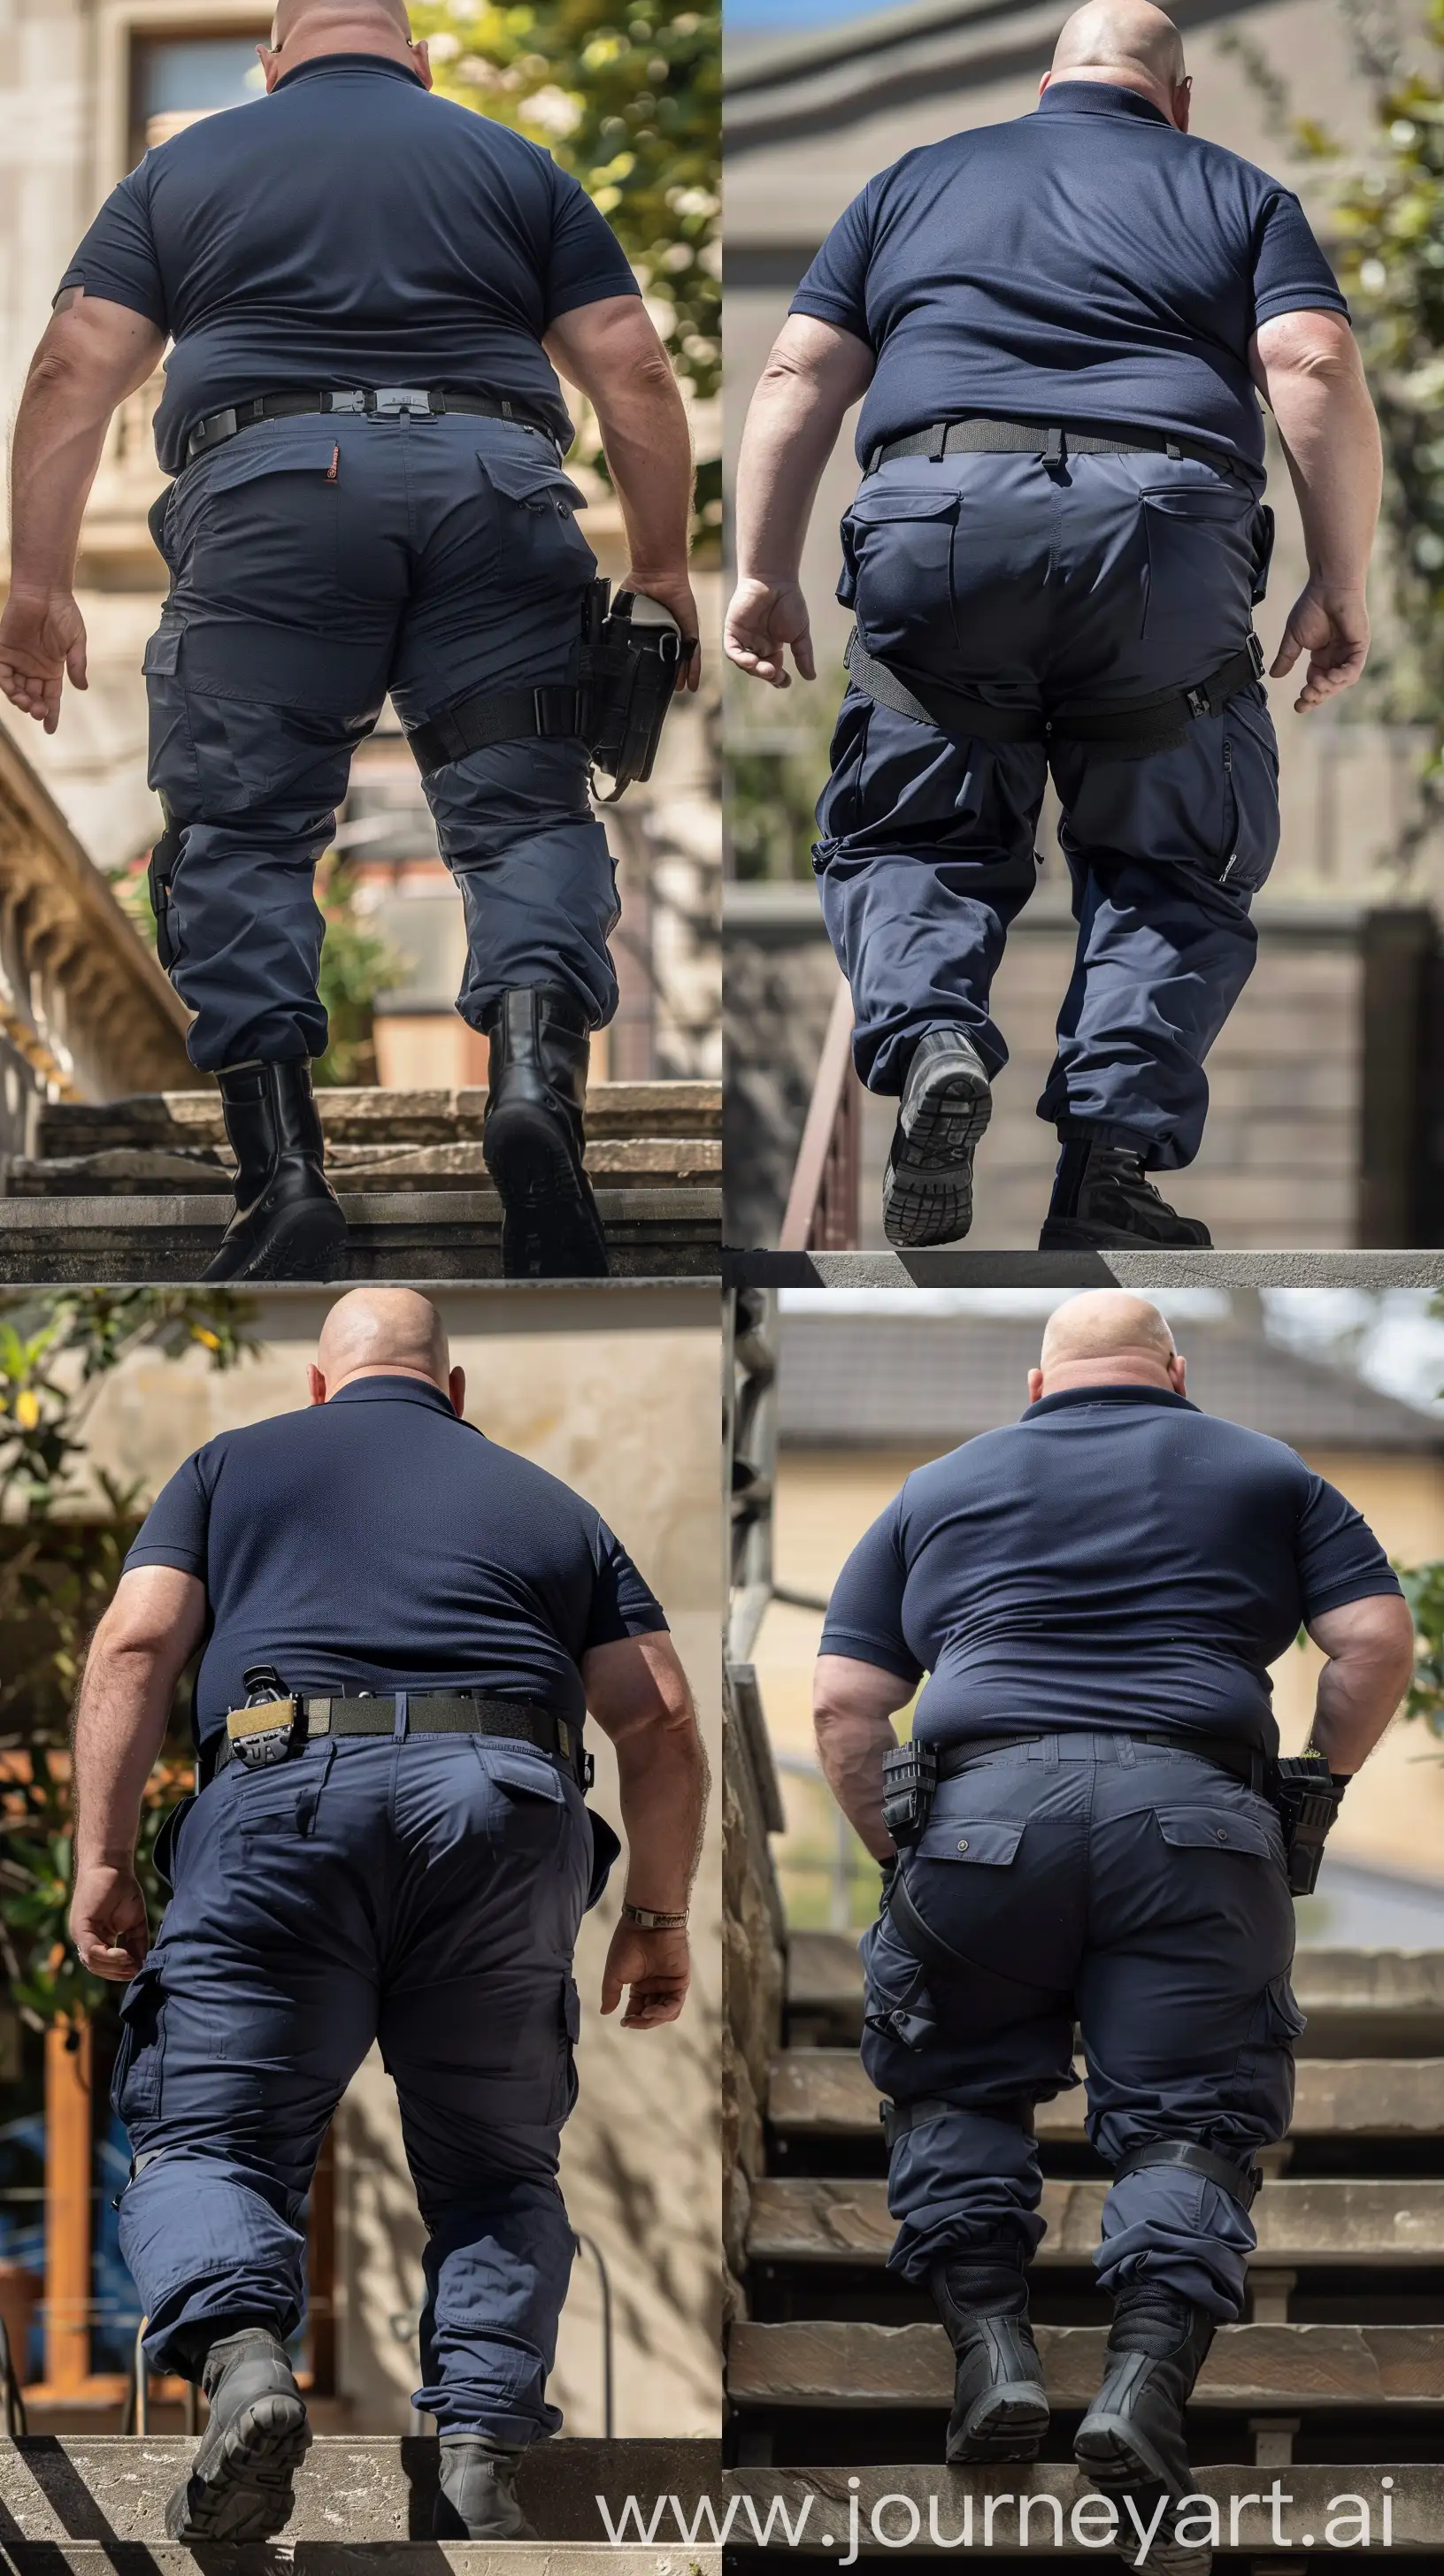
<point x="927" y="1189"/>
<point x="1103" y="1200"/>
<point x="534" y="1140"/>
<point x="1131" y="2441"/>
<point x="476" y="2499"/>
<point x="239" y="2486"/>
<point x="1000" y="2406"/>
<point x="288" y="1222"/>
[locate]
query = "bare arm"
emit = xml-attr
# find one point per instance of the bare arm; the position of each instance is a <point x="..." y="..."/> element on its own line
<point x="92" y="355"/>
<point x="611" y="351"/>
<point x="814" y="374"/>
<point x="1307" y="367"/>
<point x="137" y="1656"/>
<point x="853" y="1705"/>
<point x="1370" y="1650"/>
<point x="638" y="1694"/>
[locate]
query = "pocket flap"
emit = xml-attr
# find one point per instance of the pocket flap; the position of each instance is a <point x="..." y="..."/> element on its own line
<point x="902" y="501"/>
<point x="1201" y="501"/>
<point x="993" y="1843"/>
<point x="162" y="653"/>
<point x="1204" y="1829"/>
<point x="531" y="478"/>
<point x="270" y="447"/>
<point x="142" y="1996"/>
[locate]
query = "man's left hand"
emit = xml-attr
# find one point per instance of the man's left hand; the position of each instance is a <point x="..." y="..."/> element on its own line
<point x="107" y="1921"/>
<point x="657" y="1966"/>
<point x="42" y="643"/>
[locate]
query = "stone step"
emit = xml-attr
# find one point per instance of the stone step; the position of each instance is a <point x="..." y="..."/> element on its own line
<point x="1298" y="2223"/>
<point x="107" y="2489"/>
<point x="126" y="1171"/>
<point x="1360" y="2003"/>
<point x="925" y="2509"/>
<point x="368" y="1116"/>
<point x="818" y="2362"/>
<point x="824" y="2093"/>
<point x="417" y="1235"/>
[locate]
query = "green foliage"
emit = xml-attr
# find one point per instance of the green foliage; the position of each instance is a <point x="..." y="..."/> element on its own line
<point x="777" y="762"/>
<point x="627" y="95"/>
<point x="1423" y="1587"/>
<point x="57" y="1576"/>
<point x="357" y="963"/>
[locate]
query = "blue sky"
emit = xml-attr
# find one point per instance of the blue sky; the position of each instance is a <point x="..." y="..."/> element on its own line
<point x="791" y="17"/>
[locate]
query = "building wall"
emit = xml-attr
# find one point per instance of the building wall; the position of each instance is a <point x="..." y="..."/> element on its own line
<point x="615" y="1391"/>
<point x="826" y="1498"/>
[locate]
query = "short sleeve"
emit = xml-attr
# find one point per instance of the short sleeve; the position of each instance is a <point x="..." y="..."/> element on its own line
<point x="117" y="259"/>
<point x="1339" y="1558"/>
<point x="586" y="262"/>
<point x="622" y="1604"/>
<point x="174" y="1531"/>
<point x="1290" y="274"/>
<point x="865" y="1615"/>
<point x="835" y="287"/>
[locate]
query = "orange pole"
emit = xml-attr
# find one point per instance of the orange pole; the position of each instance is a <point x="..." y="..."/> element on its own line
<point x="67" y="2204"/>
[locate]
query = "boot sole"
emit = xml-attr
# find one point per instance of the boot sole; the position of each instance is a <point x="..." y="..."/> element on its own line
<point x="244" y="2491"/>
<point x="1064" y="1234"/>
<point x="1118" y="2460"/>
<point x="1009" y="2425"/>
<point x="552" y="1227"/>
<point x="927" y="1190"/>
<point x="302" y="1244"/>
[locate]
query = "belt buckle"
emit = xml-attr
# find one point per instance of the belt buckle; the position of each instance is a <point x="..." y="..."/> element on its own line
<point x="345" y="402"/>
<point x="390" y="402"/>
<point x="262" y="1736"/>
<point x="213" y="432"/>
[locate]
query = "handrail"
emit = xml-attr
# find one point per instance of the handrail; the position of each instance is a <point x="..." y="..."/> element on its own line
<point x="135" y="2414"/>
<point x="16" y="2421"/>
<point x="822" y="1202"/>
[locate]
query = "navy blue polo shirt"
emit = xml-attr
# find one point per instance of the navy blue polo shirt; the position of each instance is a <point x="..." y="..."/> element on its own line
<point x="377" y="1543"/>
<point x="1086" y="262"/>
<point x="350" y="230"/>
<point x="1117" y="1558"/>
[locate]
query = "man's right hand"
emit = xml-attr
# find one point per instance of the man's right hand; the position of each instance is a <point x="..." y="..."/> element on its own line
<point x="42" y="643"/>
<point x="674" y="591"/>
<point x="107" y="1920"/>
<point x="763" y="620"/>
<point x="1333" y="629"/>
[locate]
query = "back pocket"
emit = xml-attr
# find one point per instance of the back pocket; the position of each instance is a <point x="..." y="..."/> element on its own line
<point x="1202" y="556"/>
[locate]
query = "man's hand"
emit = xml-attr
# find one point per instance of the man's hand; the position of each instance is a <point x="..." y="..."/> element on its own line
<point x="763" y="620"/>
<point x="657" y="1966"/>
<point x="1333" y="630"/>
<point x="674" y="591"/>
<point x="107" y="1920"/>
<point x="42" y="643"/>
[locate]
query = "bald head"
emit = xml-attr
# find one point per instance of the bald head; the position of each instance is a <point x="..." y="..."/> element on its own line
<point x="1131" y="44"/>
<point x="1106" y="1338"/>
<point x="306" y="29"/>
<point x="376" y="1330"/>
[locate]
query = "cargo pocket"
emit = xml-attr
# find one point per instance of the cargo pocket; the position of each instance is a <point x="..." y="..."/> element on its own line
<point x="1200" y="561"/>
<point x="1251" y="791"/>
<point x="567" y="2087"/>
<point x="256" y="521"/>
<point x="136" y="2079"/>
<point x="537" y="535"/>
<point x="897" y="551"/>
<point x="173" y="771"/>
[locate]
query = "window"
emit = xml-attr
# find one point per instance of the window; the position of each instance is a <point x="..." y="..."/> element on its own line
<point x="176" y="79"/>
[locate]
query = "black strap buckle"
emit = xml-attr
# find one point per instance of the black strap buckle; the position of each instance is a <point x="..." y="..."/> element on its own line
<point x="1198" y="701"/>
<point x="346" y="402"/>
<point x="391" y="402"/>
<point x="213" y="432"/>
<point x="1256" y="653"/>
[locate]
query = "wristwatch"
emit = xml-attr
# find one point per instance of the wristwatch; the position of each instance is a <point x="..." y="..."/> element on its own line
<point x="646" y="1921"/>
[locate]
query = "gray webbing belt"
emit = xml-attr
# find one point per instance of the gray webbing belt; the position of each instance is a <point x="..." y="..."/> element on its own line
<point x="1128" y="730"/>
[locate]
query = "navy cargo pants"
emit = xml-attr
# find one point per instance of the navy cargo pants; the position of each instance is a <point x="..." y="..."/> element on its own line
<point x="1026" y="583"/>
<point x="1143" y="1892"/>
<point x="423" y="1893"/>
<point x="317" y="565"/>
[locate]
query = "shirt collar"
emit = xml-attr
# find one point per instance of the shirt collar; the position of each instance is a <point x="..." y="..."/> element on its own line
<point x="393" y="1390"/>
<point x="352" y="63"/>
<point x="1098" y="98"/>
<point x="1109" y="1395"/>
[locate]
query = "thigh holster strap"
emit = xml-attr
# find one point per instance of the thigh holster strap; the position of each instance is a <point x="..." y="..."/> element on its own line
<point x="1243" y="2183"/>
<point x="499" y="715"/>
<point x="1128" y="729"/>
<point x="897" y="2118"/>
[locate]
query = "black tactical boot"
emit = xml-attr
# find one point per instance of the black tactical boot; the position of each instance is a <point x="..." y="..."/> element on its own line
<point x="533" y="1139"/>
<point x="1000" y="2407"/>
<point x="1131" y="2441"/>
<point x="927" y="1189"/>
<point x="476" y="2499"/>
<point x="239" y="2486"/>
<point x="1103" y="1201"/>
<point x="288" y="1222"/>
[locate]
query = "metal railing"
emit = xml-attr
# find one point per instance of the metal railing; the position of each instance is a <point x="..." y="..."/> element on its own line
<point x="135" y="2412"/>
<point x="12" y="2404"/>
<point x="822" y="1204"/>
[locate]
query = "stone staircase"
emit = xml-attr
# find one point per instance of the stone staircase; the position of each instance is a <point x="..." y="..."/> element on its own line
<point x="134" y="1190"/>
<point x="839" y="2382"/>
<point x="361" y="2504"/>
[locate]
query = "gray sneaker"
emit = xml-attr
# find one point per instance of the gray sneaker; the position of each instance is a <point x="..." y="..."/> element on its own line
<point x="239" y="2485"/>
<point x="476" y="2499"/>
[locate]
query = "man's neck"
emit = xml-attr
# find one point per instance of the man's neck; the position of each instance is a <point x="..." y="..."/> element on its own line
<point x="1121" y="78"/>
<point x="1066" y="1379"/>
<point x="385" y="1368"/>
<point x="369" y="39"/>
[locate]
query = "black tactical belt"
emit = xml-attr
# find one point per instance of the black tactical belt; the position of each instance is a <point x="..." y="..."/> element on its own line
<point x="491" y="716"/>
<point x="281" y="1727"/>
<point x="1055" y="441"/>
<point x="1129" y="728"/>
<point x="384" y="402"/>
<point x="1243" y="1760"/>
